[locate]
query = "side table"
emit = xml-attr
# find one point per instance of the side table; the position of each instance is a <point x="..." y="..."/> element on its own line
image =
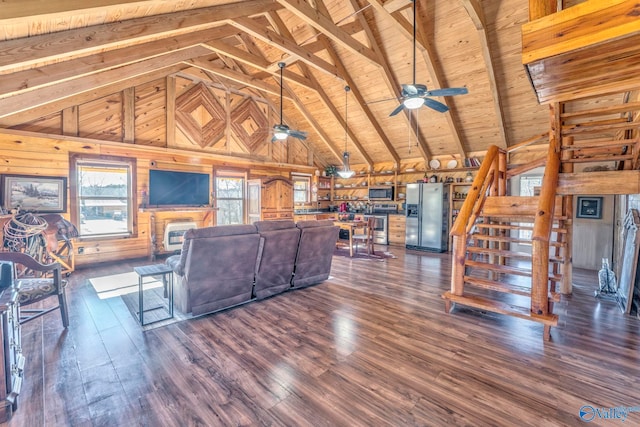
<point x="167" y="282"/>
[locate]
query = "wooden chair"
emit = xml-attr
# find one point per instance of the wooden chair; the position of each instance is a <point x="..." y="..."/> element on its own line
<point x="367" y="236"/>
<point x="34" y="289"/>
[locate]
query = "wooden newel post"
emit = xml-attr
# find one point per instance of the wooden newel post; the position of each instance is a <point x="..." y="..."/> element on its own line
<point x="541" y="8"/>
<point x="542" y="233"/>
<point x="457" y="273"/>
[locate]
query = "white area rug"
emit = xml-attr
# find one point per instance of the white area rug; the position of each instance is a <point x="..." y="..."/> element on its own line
<point x="121" y="284"/>
<point x="125" y="285"/>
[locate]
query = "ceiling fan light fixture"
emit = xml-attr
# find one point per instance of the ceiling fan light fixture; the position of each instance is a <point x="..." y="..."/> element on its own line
<point x="280" y="136"/>
<point x="413" y="103"/>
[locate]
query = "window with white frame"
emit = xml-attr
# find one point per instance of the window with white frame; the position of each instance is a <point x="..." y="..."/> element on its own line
<point x="301" y="188"/>
<point x="230" y="198"/>
<point x="103" y="196"/>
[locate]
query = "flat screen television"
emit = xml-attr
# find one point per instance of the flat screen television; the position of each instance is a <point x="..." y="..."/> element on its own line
<point x="173" y="188"/>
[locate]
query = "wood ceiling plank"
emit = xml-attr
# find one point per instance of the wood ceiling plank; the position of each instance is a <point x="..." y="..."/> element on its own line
<point x="48" y="48"/>
<point x="273" y="38"/>
<point x="54" y="92"/>
<point x="53" y="107"/>
<point x="325" y="25"/>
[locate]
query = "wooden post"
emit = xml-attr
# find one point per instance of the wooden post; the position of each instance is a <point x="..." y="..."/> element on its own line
<point x="567" y="210"/>
<point x="542" y="8"/>
<point x="459" y="253"/>
<point x="544" y="221"/>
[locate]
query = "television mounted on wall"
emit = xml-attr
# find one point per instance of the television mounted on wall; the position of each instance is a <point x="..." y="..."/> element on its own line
<point x="175" y="188"/>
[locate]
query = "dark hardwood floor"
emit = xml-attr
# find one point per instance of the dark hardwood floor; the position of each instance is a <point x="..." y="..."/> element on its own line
<point x="372" y="346"/>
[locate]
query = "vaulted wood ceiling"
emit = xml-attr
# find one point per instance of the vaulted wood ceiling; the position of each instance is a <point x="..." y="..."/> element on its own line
<point x="62" y="53"/>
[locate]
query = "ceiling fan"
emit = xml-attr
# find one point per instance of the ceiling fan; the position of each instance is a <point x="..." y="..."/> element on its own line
<point x="282" y="131"/>
<point x="416" y="95"/>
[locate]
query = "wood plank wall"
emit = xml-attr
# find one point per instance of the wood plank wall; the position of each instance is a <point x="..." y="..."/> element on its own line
<point x="23" y="153"/>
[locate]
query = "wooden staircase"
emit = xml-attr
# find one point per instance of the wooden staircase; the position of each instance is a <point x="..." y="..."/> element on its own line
<point x="489" y="271"/>
<point x="593" y="92"/>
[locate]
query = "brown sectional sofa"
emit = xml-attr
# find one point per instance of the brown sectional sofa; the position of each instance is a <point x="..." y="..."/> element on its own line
<point x="220" y="267"/>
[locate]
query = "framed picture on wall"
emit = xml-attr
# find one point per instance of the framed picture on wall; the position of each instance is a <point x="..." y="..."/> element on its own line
<point x="589" y="207"/>
<point x="46" y="194"/>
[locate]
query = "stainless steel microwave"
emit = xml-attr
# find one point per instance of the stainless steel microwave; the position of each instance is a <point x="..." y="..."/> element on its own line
<point x="381" y="193"/>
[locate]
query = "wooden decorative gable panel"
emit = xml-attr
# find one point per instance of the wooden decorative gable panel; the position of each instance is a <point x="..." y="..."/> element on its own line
<point x="250" y="125"/>
<point x="200" y="116"/>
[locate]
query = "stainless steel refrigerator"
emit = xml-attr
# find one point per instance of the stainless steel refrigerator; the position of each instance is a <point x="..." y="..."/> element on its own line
<point x="427" y="213"/>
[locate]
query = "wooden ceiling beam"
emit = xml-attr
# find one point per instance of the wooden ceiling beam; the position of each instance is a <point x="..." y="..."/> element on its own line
<point x="279" y="26"/>
<point x="234" y="76"/>
<point x="257" y="62"/>
<point x="253" y="49"/>
<point x="289" y="46"/>
<point x="29" y="79"/>
<point x="323" y="23"/>
<point x="362" y="103"/>
<point x="60" y="90"/>
<point x="37" y="51"/>
<point x="474" y="9"/>
<point x="395" y="5"/>
<point x="323" y="95"/>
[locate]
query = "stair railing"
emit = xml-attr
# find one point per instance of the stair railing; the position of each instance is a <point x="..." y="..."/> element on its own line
<point x="486" y="181"/>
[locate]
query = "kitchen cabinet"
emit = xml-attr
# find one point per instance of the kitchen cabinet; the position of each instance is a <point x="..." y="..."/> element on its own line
<point x="277" y="198"/>
<point x="397" y="226"/>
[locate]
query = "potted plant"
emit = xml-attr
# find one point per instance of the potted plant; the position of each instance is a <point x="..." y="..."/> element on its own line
<point x="330" y="170"/>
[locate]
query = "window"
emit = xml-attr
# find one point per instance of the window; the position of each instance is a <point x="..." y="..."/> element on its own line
<point x="230" y="198"/>
<point x="301" y="188"/>
<point x="103" y="196"/>
<point x="528" y="185"/>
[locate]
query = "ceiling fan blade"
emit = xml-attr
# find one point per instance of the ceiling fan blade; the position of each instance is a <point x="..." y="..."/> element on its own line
<point x="397" y="110"/>
<point x="448" y="91"/>
<point x="298" y="134"/>
<point x="436" y="105"/>
<point x="274" y="139"/>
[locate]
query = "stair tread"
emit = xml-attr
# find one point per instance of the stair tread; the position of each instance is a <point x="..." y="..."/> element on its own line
<point x="506" y="269"/>
<point x="501" y="308"/>
<point x="514" y="227"/>
<point x="479" y="236"/>
<point x="498" y="286"/>
<point x="509" y="254"/>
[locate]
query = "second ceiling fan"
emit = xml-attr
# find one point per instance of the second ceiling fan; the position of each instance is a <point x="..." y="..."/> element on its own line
<point x="416" y="95"/>
<point x="282" y="131"/>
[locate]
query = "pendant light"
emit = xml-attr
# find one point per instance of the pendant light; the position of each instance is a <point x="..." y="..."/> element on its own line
<point x="346" y="171"/>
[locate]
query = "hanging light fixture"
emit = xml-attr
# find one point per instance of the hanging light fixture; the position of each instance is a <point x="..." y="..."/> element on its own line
<point x="346" y="171"/>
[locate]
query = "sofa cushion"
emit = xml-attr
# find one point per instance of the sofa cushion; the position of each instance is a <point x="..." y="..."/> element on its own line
<point x="315" y="252"/>
<point x="177" y="262"/>
<point x="277" y="259"/>
<point x="283" y="224"/>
